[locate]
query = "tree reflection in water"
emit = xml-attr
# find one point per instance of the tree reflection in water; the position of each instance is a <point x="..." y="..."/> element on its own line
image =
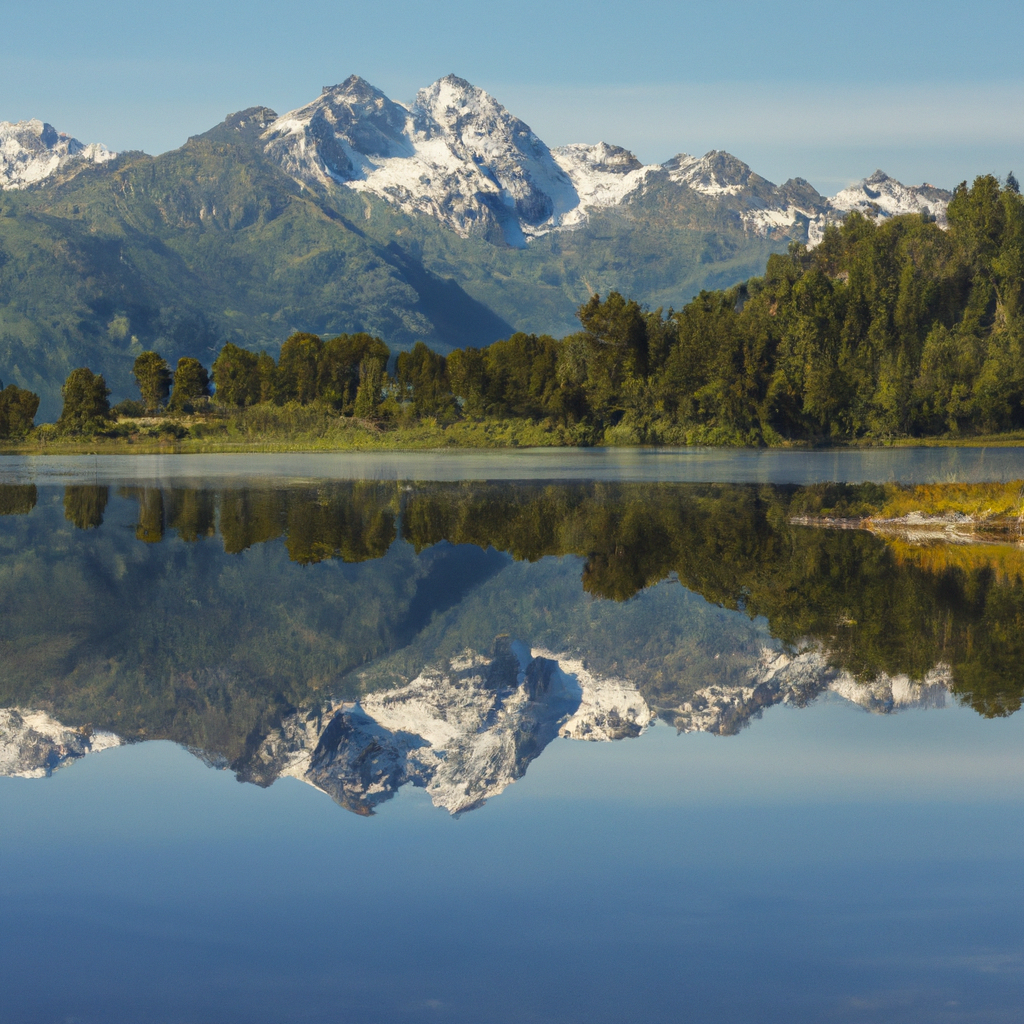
<point x="210" y="625"/>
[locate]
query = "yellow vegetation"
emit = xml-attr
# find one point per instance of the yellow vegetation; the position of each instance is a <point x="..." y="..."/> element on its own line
<point x="1005" y="560"/>
<point x="981" y="501"/>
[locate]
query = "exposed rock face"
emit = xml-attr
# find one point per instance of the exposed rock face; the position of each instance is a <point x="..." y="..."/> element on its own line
<point x="463" y="733"/>
<point x="34" y="746"/>
<point x="457" y="155"/>
<point x="31" y="151"/>
<point x="880" y="197"/>
<point x="796" y="206"/>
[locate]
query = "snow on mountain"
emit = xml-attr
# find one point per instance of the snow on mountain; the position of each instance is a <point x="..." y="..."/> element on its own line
<point x="766" y="209"/>
<point x="762" y="207"/>
<point x="463" y="732"/>
<point x="468" y="730"/>
<point x="714" y="174"/>
<point x="602" y="175"/>
<point x="881" y="197"/>
<point x="31" y="151"/>
<point x="455" y="154"/>
<point x="33" y="745"/>
<point x="609" y="708"/>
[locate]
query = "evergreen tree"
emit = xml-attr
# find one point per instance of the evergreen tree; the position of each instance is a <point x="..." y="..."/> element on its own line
<point x="266" y="371"/>
<point x="298" y="368"/>
<point x="340" y="360"/>
<point x="370" y="395"/>
<point x="86" y="406"/>
<point x="153" y="377"/>
<point x="191" y="385"/>
<point x="84" y="505"/>
<point x="17" y="499"/>
<point x="236" y="376"/>
<point x="18" y="409"/>
<point x="468" y="378"/>
<point x="422" y="374"/>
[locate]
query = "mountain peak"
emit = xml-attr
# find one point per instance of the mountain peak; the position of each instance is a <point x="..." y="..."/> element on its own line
<point x="452" y="102"/>
<point x="457" y="155"/>
<point x="31" y="151"/>
<point x="355" y="88"/>
<point x="716" y="173"/>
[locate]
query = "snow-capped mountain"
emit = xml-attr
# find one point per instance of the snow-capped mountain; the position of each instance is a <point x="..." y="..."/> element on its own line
<point x="31" y="151"/>
<point x="783" y="678"/>
<point x="468" y="730"/>
<point x="796" y="208"/>
<point x="457" y="155"/>
<point x="464" y="732"/>
<point x="880" y="197"/>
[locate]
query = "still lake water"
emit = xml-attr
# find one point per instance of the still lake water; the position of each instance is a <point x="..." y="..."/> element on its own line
<point x="552" y="737"/>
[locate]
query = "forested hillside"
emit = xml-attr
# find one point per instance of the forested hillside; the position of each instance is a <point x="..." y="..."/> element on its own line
<point x="883" y="330"/>
<point x="215" y="242"/>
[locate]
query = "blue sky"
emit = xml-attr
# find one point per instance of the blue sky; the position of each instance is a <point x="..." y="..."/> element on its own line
<point x="927" y="91"/>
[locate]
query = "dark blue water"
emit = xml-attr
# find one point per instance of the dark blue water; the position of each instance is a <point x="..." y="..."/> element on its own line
<point x="801" y="860"/>
<point x="811" y="871"/>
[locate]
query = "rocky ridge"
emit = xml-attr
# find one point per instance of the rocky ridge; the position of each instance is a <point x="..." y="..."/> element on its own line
<point x="784" y="678"/>
<point x="456" y="155"/>
<point x="33" y="745"/>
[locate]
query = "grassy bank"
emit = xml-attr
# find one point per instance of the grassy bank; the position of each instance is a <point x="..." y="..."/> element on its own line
<point x="294" y="428"/>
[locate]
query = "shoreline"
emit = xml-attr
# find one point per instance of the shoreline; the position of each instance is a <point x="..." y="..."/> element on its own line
<point x="433" y="441"/>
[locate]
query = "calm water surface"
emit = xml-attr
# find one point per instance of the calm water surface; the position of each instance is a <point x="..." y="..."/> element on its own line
<point x="545" y="737"/>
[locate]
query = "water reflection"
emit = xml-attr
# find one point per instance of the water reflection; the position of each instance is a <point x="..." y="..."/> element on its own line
<point x="367" y="635"/>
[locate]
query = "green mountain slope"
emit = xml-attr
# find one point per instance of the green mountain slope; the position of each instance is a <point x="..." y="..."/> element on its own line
<point x="214" y="242"/>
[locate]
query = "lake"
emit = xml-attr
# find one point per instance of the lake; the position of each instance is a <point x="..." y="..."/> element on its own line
<point x="586" y="736"/>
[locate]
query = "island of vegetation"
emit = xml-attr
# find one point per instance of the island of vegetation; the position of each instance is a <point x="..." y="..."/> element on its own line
<point x="898" y="331"/>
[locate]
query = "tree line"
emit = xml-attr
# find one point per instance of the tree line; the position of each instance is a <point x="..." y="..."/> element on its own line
<point x="884" y="329"/>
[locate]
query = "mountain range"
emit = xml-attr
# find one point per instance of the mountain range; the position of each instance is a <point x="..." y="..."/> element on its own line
<point x="446" y="220"/>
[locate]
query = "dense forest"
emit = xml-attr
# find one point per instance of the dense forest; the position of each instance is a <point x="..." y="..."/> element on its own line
<point x="893" y="329"/>
<point x="884" y="330"/>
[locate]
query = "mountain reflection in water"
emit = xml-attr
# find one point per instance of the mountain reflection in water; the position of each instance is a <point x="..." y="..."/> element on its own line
<point x="362" y="636"/>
